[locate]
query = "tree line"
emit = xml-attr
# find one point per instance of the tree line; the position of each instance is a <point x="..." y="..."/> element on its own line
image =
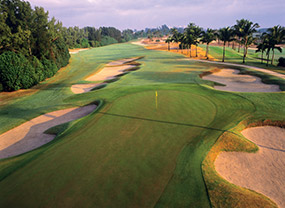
<point x="241" y="33"/>
<point x="86" y="37"/>
<point x="34" y="47"/>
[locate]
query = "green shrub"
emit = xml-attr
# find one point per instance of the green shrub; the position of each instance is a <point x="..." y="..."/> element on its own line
<point x="50" y="67"/>
<point x="39" y="69"/>
<point x="281" y="61"/>
<point x="84" y="43"/>
<point x="60" y="53"/>
<point x="107" y="40"/>
<point x="16" y="72"/>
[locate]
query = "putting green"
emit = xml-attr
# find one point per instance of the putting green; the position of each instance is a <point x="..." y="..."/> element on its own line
<point x="126" y="155"/>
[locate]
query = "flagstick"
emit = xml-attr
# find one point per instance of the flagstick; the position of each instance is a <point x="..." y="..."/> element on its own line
<point x="156" y="99"/>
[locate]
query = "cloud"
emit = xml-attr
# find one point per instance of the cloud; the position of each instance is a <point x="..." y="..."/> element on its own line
<point x="146" y="13"/>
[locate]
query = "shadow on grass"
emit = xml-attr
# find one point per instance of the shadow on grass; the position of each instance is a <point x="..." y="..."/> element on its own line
<point x="165" y="122"/>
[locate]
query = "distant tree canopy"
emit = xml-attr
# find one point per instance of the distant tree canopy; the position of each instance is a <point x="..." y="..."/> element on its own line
<point x="32" y="46"/>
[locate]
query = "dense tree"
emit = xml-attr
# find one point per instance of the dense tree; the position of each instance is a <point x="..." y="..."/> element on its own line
<point x="32" y="47"/>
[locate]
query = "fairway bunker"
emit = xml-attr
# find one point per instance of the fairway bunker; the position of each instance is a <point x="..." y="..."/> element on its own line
<point x="82" y="88"/>
<point x="111" y="71"/>
<point x="262" y="171"/>
<point x="30" y="135"/>
<point x="75" y="51"/>
<point x="236" y="82"/>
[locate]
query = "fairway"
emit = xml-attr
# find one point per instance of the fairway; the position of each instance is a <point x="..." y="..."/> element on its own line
<point x="135" y="149"/>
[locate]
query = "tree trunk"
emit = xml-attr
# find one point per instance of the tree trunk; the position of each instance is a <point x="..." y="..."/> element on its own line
<point x="177" y="47"/>
<point x="244" y="51"/>
<point x="272" y="60"/>
<point x="190" y="51"/>
<point x="224" y="52"/>
<point x="196" y="51"/>
<point x="233" y="46"/>
<point x="239" y="46"/>
<point x="262" y="57"/>
<point x="207" y="50"/>
<point x="168" y="46"/>
<point x="268" y="52"/>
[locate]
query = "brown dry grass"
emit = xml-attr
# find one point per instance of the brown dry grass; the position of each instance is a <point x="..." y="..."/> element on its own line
<point x="162" y="46"/>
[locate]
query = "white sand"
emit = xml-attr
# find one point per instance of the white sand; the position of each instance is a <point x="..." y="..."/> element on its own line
<point x="263" y="171"/>
<point x="240" y="83"/>
<point x="121" y="62"/>
<point x="244" y="66"/>
<point x="74" y="51"/>
<point x="108" y="73"/>
<point x="140" y="43"/>
<point x="29" y="135"/>
<point x="82" y="88"/>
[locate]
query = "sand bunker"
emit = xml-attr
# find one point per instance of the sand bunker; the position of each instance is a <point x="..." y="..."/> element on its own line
<point x="276" y="74"/>
<point x="108" y="73"/>
<point x="29" y="135"/>
<point x="263" y="171"/>
<point x="239" y="83"/>
<point x="75" y="51"/>
<point x="121" y="62"/>
<point x="82" y="88"/>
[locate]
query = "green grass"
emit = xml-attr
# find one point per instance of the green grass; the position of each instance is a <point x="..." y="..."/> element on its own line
<point x="128" y="153"/>
<point x="252" y="59"/>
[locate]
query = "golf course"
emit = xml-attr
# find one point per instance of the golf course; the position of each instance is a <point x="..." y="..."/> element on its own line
<point x="150" y="138"/>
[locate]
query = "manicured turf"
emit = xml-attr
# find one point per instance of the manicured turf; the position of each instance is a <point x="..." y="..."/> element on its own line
<point x="128" y="153"/>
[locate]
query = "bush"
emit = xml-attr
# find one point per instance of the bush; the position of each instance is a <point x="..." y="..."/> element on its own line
<point x="39" y="69"/>
<point x="107" y="40"/>
<point x="50" y="68"/>
<point x="281" y="61"/>
<point x="16" y="72"/>
<point x="60" y="53"/>
<point x="84" y="43"/>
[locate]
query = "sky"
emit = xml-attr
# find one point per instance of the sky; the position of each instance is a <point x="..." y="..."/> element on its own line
<point x="139" y="14"/>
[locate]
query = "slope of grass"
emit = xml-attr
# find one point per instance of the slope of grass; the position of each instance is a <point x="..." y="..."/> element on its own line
<point x="252" y="59"/>
<point x="128" y="153"/>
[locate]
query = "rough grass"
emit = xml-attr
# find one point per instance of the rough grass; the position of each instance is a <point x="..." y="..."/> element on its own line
<point x="128" y="153"/>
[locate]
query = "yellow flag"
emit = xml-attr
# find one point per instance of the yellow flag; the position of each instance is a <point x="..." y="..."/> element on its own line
<point x="156" y="93"/>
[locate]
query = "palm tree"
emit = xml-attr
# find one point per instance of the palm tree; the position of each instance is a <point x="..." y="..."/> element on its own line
<point x="263" y="45"/>
<point x="189" y="36"/>
<point x="276" y="36"/>
<point x="175" y="36"/>
<point x="168" y="41"/>
<point x="225" y="35"/>
<point x="197" y="32"/>
<point x="207" y="37"/>
<point x="247" y="30"/>
<point x="238" y="27"/>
